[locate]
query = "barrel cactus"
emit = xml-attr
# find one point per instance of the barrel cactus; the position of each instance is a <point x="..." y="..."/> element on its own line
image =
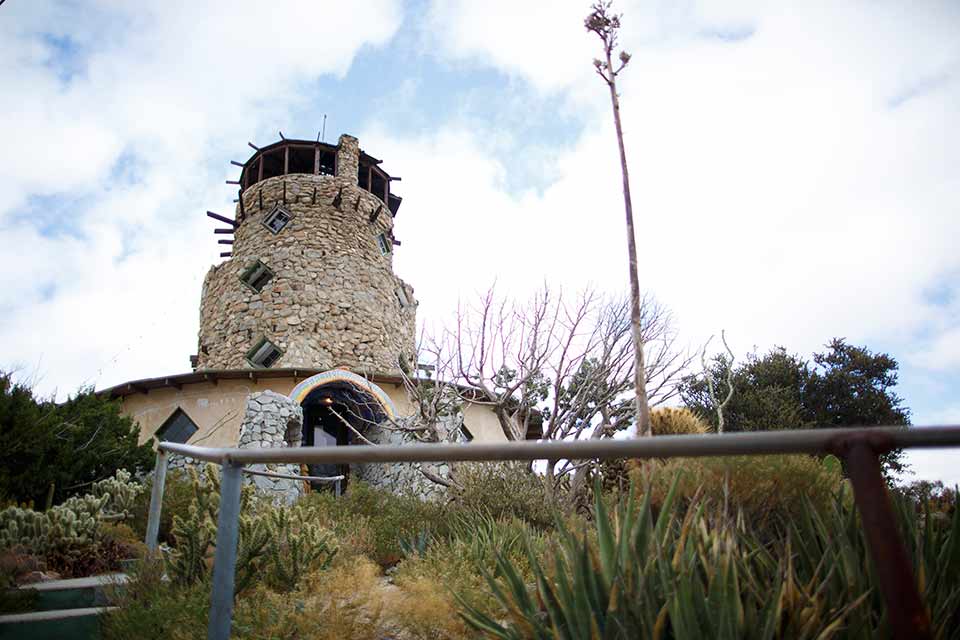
<point x="671" y="421"/>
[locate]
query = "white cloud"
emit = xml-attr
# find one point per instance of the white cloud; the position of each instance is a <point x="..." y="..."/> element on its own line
<point x="118" y="115"/>
<point x="790" y="186"/>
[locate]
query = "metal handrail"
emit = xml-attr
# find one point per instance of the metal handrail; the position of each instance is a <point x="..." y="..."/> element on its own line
<point x="811" y="441"/>
<point x="290" y="476"/>
<point x="859" y="448"/>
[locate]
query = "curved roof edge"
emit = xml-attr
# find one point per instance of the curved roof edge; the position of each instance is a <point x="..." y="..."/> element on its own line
<point x="177" y="381"/>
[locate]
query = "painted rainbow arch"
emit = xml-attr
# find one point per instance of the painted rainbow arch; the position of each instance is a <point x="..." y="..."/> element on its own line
<point x="302" y="390"/>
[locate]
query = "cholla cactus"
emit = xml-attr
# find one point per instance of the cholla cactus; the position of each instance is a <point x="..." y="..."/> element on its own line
<point x="75" y="524"/>
<point x="298" y="546"/>
<point x="121" y="494"/>
<point x="25" y="528"/>
<point x="193" y="535"/>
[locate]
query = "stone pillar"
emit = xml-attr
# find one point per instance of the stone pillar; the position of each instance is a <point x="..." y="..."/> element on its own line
<point x="272" y="420"/>
<point x="348" y="158"/>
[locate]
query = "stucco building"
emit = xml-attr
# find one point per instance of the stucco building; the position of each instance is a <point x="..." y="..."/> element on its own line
<point x="306" y="305"/>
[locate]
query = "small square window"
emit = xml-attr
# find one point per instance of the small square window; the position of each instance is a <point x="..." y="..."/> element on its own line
<point x="264" y="354"/>
<point x="177" y="428"/>
<point x="277" y="219"/>
<point x="383" y="243"/>
<point x="257" y="276"/>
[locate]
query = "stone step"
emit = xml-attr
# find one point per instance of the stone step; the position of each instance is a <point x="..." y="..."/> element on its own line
<point x="64" y="624"/>
<point x="74" y="593"/>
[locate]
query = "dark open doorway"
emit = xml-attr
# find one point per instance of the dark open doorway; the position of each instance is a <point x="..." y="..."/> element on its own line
<point x="326" y="410"/>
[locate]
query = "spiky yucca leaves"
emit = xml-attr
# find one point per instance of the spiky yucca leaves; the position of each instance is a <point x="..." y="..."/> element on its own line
<point x="297" y="547"/>
<point x="668" y="576"/>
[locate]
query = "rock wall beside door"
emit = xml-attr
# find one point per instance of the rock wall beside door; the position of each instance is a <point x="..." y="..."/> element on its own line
<point x="273" y="421"/>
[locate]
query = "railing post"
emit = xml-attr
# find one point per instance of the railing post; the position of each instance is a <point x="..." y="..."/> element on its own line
<point x="905" y="611"/>
<point x="156" y="501"/>
<point x="225" y="555"/>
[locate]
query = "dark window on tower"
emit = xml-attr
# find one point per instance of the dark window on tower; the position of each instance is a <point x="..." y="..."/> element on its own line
<point x="301" y="160"/>
<point x="277" y="219"/>
<point x="273" y="163"/>
<point x="383" y="243"/>
<point x="177" y="428"/>
<point x="252" y="174"/>
<point x="257" y="276"/>
<point x="378" y="184"/>
<point x="264" y="354"/>
<point x="363" y="176"/>
<point x="328" y="161"/>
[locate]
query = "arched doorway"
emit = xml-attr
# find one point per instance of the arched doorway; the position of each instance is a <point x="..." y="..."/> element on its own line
<point x="337" y="405"/>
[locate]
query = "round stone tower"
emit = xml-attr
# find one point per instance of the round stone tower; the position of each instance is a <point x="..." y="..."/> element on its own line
<point x="309" y="282"/>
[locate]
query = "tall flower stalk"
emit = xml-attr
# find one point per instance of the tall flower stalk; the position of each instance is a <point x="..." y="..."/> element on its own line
<point x="606" y="25"/>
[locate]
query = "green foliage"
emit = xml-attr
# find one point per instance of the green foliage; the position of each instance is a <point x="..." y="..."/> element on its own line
<point x="53" y="451"/>
<point x="276" y="545"/>
<point x="689" y="574"/>
<point x="150" y="608"/>
<point x="297" y="547"/>
<point x="69" y="531"/>
<point x="765" y="490"/>
<point x="178" y="495"/>
<point x="24" y="528"/>
<point x="373" y="522"/>
<point x="845" y="386"/>
<point x="501" y="491"/>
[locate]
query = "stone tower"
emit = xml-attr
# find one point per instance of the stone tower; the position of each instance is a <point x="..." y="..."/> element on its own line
<point x="309" y="282"/>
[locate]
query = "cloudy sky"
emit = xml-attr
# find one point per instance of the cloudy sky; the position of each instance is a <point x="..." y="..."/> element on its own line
<point x="795" y="168"/>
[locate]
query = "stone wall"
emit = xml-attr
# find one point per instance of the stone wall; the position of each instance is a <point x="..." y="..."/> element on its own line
<point x="272" y="421"/>
<point x="333" y="300"/>
<point x="405" y="477"/>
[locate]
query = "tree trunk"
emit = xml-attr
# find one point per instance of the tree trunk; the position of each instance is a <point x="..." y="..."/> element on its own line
<point x="639" y="374"/>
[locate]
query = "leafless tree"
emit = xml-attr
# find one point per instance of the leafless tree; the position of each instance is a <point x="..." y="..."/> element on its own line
<point x="606" y="25"/>
<point x="718" y="404"/>
<point x="560" y="369"/>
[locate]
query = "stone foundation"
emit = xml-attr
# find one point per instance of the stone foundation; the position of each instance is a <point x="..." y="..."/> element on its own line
<point x="271" y="421"/>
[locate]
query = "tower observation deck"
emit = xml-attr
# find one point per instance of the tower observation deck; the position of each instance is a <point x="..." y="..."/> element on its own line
<point x="309" y="279"/>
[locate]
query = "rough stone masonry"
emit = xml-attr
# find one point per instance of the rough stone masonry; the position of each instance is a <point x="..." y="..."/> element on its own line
<point x="333" y="301"/>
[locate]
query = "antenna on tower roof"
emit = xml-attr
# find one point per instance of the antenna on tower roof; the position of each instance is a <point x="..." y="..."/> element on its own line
<point x="281" y="135"/>
<point x="323" y="134"/>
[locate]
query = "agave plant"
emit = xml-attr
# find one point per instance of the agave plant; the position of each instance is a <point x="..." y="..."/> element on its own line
<point x="698" y="575"/>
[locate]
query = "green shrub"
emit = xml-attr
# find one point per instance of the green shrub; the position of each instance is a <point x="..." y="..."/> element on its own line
<point x="503" y="491"/>
<point x="56" y="450"/>
<point x="151" y="608"/>
<point x="766" y="490"/>
<point x="177" y="497"/>
<point x="374" y="522"/>
<point x="296" y="547"/>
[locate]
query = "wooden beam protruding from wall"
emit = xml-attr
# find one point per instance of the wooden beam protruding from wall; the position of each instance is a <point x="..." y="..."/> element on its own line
<point x="217" y="216"/>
